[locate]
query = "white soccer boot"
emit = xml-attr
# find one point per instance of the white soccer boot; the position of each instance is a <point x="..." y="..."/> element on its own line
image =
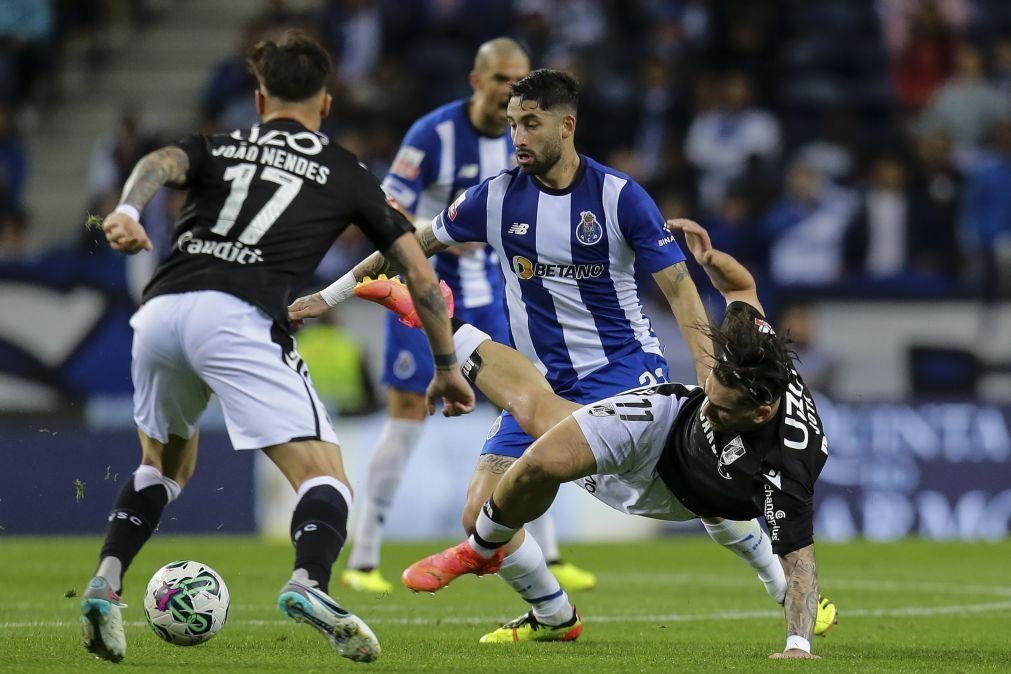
<point x="348" y="633"/>
<point x="102" y="622"/>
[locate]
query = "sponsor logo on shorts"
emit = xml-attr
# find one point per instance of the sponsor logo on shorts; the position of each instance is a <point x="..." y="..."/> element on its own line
<point x="602" y="411"/>
<point x="404" y="366"/>
<point x="493" y="431"/>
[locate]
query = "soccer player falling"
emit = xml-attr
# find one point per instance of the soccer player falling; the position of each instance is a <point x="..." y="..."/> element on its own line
<point x="747" y="444"/>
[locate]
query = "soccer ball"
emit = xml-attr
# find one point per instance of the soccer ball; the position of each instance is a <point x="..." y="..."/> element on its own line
<point x="186" y="603"/>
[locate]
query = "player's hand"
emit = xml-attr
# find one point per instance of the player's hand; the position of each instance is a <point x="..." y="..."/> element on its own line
<point x="395" y="205"/>
<point x="696" y="237"/>
<point x="310" y="306"/>
<point x="125" y="234"/>
<point x="457" y="395"/>
<point x="794" y="654"/>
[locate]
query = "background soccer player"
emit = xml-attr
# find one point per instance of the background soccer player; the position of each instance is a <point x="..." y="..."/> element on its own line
<point x="445" y="152"/>
<point x="567" y="231"/>
<point x="264" y="206"/>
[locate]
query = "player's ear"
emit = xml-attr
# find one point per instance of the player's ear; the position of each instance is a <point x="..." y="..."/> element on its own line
<point x="474" y="79"/>
<point x="261" y="102"/>
<point x="762" y="414"/>
<point x="568" y="125"/>
<point x="324" y="110"/>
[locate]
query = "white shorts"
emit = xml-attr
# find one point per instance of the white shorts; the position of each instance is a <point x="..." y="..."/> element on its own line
<point x="189" y="345"/>
<point x="627" y="433"/>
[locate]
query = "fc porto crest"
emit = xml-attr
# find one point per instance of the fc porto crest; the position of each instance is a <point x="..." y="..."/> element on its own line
<point x="588" y="231"/>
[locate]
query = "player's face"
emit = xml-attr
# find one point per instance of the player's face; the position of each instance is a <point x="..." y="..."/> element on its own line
<point x="537" y="136"/>
<point x="491" y="84"/>
<point x="726" y="409"/>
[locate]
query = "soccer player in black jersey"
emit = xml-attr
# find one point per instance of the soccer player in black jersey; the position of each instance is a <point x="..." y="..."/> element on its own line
<point x="264" y="206"/>
<point x="748" y="444"/>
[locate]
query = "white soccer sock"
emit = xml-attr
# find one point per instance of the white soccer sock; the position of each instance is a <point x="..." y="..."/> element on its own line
<point x="466" y="339"/>
<point x="543" y="529"/>
<point x="488" y="534"/>
<point x="111" y="568"/>
<point x="748" y="541"/>
<point x="394" y="447"/>
<point x="526" y="572"/>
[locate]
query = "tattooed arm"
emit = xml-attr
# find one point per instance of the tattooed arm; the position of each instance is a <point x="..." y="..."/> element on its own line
<point x="683" y="297"/>
<point x="378" y="263"/>
<point x="448" y="383"/>
<point x="167" y="166"/>
<point x="801" y="605"/>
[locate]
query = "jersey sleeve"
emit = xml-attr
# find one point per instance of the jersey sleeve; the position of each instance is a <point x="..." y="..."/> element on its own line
<point x="787" y="505"/>
<point x="195" y="147"/>
<point x="415" y="167"/>
<point x="466" y="219"/>
<point x="380" y="223"/>
<point x="644" y="228"/>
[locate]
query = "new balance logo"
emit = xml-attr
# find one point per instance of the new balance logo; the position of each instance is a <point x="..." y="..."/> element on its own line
<point x="518" y="228"/>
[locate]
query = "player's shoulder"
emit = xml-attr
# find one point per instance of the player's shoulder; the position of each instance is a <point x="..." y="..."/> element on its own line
<point x="800" y="431"/>
<point x="425" y="126"/>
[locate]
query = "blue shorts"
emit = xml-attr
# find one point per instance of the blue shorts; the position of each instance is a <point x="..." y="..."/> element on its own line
<point x="506" y="438"/>
<point x="408" y="362"/>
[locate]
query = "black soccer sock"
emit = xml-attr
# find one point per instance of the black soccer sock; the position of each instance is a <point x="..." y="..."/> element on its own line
<point x="134" y="518"/>
<point x="318" y="531"/>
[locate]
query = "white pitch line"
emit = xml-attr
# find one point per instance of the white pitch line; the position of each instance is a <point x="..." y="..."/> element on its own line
<point x="899" y="612"/>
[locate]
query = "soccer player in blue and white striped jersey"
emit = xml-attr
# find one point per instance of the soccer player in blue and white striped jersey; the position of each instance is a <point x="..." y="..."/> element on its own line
<point x="568" y="232"/>
<point x="449" y="150"/>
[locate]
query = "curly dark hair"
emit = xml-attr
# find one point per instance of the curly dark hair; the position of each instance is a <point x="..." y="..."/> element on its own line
<point x="750" y="357"/>
<point x="294" y="69"/>
<point x="549" y="88"/>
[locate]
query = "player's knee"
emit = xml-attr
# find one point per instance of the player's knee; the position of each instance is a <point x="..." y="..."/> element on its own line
<point x="530" y="472"/>
<point x="406" y="405"/>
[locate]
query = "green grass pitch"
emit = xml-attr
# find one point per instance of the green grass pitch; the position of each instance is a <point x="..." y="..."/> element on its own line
<point x="680" y="604"/>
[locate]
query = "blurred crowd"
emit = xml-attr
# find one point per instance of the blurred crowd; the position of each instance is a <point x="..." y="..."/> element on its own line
<point x="852" y="144"/>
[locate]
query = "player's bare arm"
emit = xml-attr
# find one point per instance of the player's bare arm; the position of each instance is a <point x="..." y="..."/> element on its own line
<point x="448" y="383"/>
<point x="801" y="605"/>
<point x="167" y="166"/>
<point x="683" y="297"/>
<point x="729" y="276"/>
<point x="317" y="304"/>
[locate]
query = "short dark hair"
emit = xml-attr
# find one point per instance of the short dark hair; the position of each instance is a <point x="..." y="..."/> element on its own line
<point x="548" y="88"/>
<point x="750" y="357"/>
<point x="294" y="69"/>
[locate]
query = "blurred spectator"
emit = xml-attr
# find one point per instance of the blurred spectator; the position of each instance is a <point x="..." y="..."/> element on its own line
<point x="923" y="53"/>
<point x="13" y="234"/>
<point x="987" y="215"/>
<point x="1002" y="67"/>
<point x="26" y="29"/>
<point x="227" y="100"/>
<point x="878" y="240"/>
<point x="114" y="156"/>
<point x="805" y="230"/>
<point x="816" y="366"/>
<point x="833" y="151"/>
<point x="732" y="228"/>
<point x="352" y="29"/>
<point x="13" y="161"/>
<point x="722" y="140"/>
<point x="935" y="198"/>
<point x="902" y="18"/>
<point x="748" y="36"/>
<point x="967" y="106"/>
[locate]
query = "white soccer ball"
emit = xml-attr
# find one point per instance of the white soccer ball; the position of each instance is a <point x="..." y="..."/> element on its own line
<point x="186" y="603"/>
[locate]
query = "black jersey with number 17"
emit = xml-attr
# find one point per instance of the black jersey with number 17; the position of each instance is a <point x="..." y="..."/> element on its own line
<point x="264" y="206"/>
<point x="768" y="472"/>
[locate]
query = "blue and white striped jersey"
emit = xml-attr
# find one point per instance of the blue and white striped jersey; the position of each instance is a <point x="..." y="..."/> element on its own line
<point x="568" y="258"/>
<point x="442" y="155"/>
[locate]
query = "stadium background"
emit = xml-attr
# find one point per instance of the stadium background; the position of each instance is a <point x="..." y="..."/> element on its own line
<point x="855" y="153"/>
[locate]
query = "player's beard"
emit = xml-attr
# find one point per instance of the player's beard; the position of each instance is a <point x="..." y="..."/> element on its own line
<point x="544" y="160"/>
